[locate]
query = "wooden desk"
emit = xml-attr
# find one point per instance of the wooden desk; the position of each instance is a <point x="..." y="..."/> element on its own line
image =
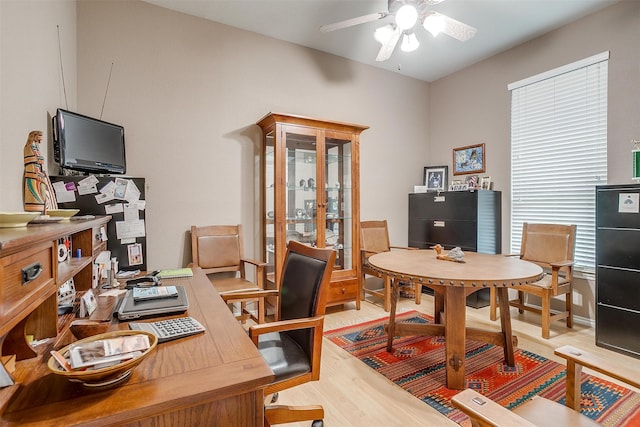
<point x="211" y="379"/>
<point x="452" y="282"/>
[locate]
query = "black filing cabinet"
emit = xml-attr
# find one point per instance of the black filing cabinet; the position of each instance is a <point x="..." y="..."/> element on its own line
<point x="470" y="220"/>
<point x="618" y="268"/>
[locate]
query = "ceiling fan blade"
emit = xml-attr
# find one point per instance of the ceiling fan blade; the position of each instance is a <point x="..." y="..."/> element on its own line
<point x="457" y="29"/>
<point x="387" y="49"/>
<point x="353" y="21"/>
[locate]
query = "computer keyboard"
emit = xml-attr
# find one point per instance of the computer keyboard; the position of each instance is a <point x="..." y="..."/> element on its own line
<point x="170" y="329"/>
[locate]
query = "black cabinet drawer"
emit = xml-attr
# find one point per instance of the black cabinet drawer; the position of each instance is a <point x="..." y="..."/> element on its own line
<point x="446" y="205"/>
<point x="618" y="287"/>
<point x="617" y="329"/>
<point x="451" y="233"/>
<point x="448" y="233"/>
<point x="608" y="201"/>
<point x="618" y="247"/>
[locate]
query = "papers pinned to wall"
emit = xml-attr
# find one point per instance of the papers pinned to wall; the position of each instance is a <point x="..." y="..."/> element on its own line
<point x="118" y="196"/>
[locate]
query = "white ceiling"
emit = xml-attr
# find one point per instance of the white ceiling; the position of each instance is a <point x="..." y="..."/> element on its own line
<point x="501" y="24"/>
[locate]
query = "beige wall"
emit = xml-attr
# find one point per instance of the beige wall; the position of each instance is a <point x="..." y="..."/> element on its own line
<point x="473" y="105"/>
<point x="31" y="80"/>
<point x="189" y="92"/>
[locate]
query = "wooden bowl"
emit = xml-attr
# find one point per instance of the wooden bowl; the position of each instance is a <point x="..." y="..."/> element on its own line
<point x="65" y="214"/>
<point x="103" y="375"/>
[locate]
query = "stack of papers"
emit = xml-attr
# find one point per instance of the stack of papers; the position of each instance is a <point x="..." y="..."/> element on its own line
<point x="111" y="351"/>
<point x="172" y="274"/>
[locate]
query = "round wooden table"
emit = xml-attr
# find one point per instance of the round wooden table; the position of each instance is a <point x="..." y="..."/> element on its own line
<point x="452" y="282"/>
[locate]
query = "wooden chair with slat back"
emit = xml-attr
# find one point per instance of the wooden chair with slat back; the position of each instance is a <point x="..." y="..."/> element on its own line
<point x="552" y="246"/>
<point x="374" y="238"/>
<point x="540" y="411"/>
<point x="292" y="346"/>
<point x="218" y="250"/>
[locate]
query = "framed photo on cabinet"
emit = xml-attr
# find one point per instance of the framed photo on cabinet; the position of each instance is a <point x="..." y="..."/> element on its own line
<point x="485" y="183"/>
<point x="469" y="160"/>
<point x="435" y="178"/>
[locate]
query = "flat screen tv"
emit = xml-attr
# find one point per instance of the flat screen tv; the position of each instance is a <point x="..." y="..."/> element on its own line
<point x="86" y="144"/>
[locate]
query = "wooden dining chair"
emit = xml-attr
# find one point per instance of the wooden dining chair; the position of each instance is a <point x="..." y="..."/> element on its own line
<point x="540" y="411"/>
<point x="218" y="250"/>
<point x="374" y="238"/>
<point x="552" y="246"/>
<point x="292" y="346"/>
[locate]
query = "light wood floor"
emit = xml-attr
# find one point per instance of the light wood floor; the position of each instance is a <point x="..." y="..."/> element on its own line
<point x="353" y="394"/>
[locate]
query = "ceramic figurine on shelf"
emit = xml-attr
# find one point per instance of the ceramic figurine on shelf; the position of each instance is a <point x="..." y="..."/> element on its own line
<point x="455" y="254"/>
<point x="38" y="191"/>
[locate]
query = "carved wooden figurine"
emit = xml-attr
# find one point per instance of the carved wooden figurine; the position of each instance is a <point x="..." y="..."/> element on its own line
<point x="38" y="191"/>
<point x="455" y="254"/>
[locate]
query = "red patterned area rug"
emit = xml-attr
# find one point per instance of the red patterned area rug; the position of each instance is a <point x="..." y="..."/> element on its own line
<point x="417" y="365"/>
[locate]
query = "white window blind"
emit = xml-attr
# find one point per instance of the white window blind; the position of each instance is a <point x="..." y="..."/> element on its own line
<point x="559" y="150"/>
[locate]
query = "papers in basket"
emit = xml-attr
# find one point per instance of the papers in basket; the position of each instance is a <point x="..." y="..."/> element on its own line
<point x="106" y="352"/>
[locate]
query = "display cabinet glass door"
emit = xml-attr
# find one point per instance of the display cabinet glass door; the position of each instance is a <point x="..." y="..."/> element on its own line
<point x="269" y="201"/>
<point x="301" y="172"/>
<point x="338" y="198"/>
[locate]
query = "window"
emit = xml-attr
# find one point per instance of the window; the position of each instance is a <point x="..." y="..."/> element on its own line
<point x="559" y="150"/>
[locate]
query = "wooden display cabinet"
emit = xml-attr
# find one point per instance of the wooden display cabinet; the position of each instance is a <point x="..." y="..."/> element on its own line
<point x="311" y="193"/>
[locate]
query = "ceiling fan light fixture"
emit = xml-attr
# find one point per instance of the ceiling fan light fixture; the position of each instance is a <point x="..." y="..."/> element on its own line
<point x="409" y="43"/>
<point x="383" y="34"/>
<point x="406" y="16"/>
<point x="434" y="23"/>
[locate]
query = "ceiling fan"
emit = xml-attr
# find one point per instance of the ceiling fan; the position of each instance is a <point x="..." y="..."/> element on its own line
<point x="408" y="15"/>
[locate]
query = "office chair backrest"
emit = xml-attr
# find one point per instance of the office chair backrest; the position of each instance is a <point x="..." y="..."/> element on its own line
<point x="374" y="236"/>
<point x="304" y="286"/>
<point x="548" y="243"/>
<point x="217" y="247"/>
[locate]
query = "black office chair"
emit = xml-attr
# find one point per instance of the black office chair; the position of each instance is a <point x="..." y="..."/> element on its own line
<point x="292" y="346"/>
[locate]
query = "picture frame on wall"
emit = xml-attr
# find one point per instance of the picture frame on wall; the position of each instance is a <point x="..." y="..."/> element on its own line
<point x="469" y="160"/>
<point x="435" y="178"/>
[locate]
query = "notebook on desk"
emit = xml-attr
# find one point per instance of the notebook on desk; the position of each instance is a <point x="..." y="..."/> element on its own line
<point x="175" y="274"/>
<point x="132" y="309"/>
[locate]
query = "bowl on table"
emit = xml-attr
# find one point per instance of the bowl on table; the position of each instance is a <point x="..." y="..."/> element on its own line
<point x="16" y="219"/>
<point x="65" y="214"/>
<point x="102" y="377"/>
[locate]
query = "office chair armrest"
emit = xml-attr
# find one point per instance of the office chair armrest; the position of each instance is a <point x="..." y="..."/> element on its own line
<point x="249" y="294"/>
<point x="577" y="358"/>
<point x="560" y="264"/>
<point x="284" y="325"/>
<point x="258" y="264"/>
<point x="487" y="412"/>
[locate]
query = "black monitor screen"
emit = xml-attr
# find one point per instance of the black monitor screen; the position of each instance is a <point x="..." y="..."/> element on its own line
<point x="88" y="144"/>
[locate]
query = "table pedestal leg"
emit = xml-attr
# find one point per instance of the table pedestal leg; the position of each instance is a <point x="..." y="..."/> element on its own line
<point x="505" y="322"/>
<point x="455" y="336"/>
<point x="391" y="328"/>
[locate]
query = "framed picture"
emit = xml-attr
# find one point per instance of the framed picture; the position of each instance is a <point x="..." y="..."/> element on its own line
<point x="435" y="178"/>
<point x="485" y="183"/>
<point x="458" y="186"/>
<point x="472" y="181"/>
<point x="469" y="159"/>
